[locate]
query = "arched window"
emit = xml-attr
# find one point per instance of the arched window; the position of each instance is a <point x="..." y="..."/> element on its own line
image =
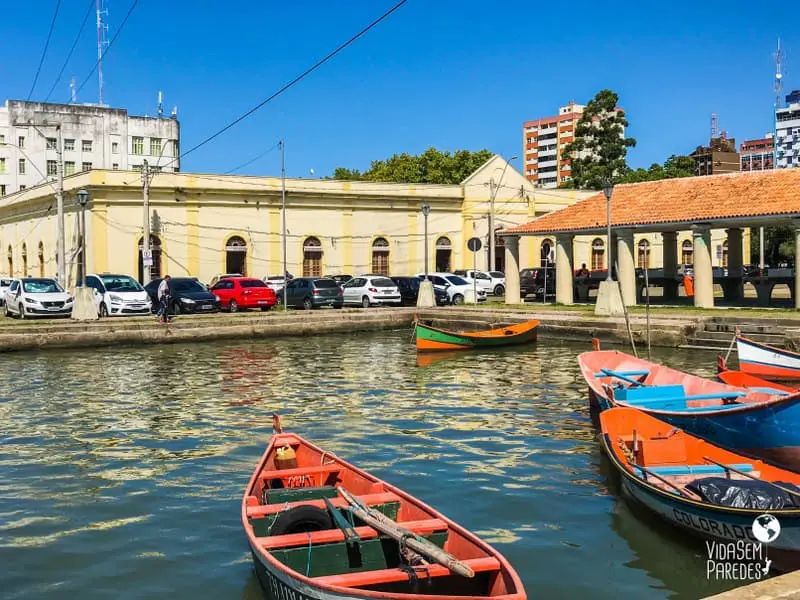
<point x="41" y="259"/>
<point x="724" y="260"/>
<point x="380" y="256"/>
<point x="444" y="254"/>
<point x="546" y="254"/>
<point x="155" y="268"/>
<point x="10" y="261"/>
<point x="312" y="257"/>
<point x="499" y="252"/>
<point x="236" y="255"/>
<point x="643" y="261"/>
<point x="24" y="260"/>
<point x="598" y="254"/>
<point x="687" y="252"/>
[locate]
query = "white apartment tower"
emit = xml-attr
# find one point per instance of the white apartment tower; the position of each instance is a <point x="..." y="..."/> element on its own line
<point x="93" y="137"/>
<point x="787" y="133"/>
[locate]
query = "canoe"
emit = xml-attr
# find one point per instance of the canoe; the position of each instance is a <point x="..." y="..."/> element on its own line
<point x="433" y="339"/>
<point x="308" y="542"/>
<point x="701" y="488"/>
<point x="767" y="361"/>
<point x="747" y="421"/>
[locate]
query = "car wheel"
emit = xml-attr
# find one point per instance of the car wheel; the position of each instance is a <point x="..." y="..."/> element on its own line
<point x="499" y="290"/>
<point x="5" y="310"/>
<point x="233" y="306"/>
<point x="337" y="306"/>
<point x="103" y="310"/>
<point x="307" y="304"/>
<point x="365" y="302"/>
<point x="21" y="311"/>
<point x="458" y="299"/>
<point x="176" y="309"/>
<point x="265" y="308"/>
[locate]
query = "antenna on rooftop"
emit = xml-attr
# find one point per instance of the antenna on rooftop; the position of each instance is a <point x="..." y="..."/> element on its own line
<point x="778" y="83"/>
<point x="714" y="125"/>
<point x="160" y="106"/>
<point x="72" y="94"/>
<point x="102" y="28"/>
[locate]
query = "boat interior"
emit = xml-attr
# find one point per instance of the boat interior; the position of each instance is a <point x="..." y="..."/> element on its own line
<point x="301" y="519"/>
<point x="679" y="463"/>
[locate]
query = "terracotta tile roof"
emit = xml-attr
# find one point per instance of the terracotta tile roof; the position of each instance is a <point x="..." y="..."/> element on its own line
<point x="680" y="201"/>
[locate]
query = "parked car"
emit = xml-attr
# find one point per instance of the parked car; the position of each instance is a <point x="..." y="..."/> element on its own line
<point x="4" y="284"/>
<point x="275" y="282"/>
<point x="534" y="281"/>
<point x="371" y="290"/>
<point x="116" y="295"/>
<point x="37" y="296"/>
<point x="492" y="282"/>
<point x="341" y="279"/>
<point x="234" y="293"/>
<point x="219" y="276"/>
<point x="312" y="292"/>
<point x="456" y="287"/>
<point x="187" y="296"/>
<point x="409" y="291"/>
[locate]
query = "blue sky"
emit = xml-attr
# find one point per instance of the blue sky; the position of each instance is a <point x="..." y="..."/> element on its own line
<point x="446" y="73"/>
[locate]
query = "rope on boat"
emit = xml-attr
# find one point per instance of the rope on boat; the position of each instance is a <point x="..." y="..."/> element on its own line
<point x="275" y="518"/>
<point x="308" y="558"/>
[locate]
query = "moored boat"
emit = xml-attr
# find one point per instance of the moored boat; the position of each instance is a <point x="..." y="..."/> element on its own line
<point x="701" y="488"/>
<point x="319" y="527"/>
<point x="749" y="421"/>
<point x="767" y="361"/>
<point x="751" y="382"/>
<point x="430" y="338"/>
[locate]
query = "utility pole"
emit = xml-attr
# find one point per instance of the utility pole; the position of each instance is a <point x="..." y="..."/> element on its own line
<point x="146" y="256"/>
<point x="60" y="250"/>
<point x="489" y="266"/>
<point x="283" y="221"/>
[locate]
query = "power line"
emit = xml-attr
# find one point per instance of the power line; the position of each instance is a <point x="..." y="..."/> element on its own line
<point x="44" y="52"/>
<point x="252" y="160"/>
<point x="72" y="49"/>
<point x="111" y="43"/>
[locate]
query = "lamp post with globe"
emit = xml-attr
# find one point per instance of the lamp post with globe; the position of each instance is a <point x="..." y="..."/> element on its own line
<point x="83" y="308"/>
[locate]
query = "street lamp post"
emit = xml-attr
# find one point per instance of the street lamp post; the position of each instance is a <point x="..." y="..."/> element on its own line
<point x="426" y="210"/>
<point x="83" y="307"/>
<point x="608" y="188"/>
<point x="83" y="199"/>
<point x="426" y="298"/>
<point x="283" y="222"/>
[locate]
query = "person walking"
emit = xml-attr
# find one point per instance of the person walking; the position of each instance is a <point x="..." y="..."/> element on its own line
<point x="163" y="300"/>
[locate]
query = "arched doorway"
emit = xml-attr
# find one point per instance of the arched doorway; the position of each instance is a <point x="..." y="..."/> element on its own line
<point x="380" y="256"/>
<point x="444" y="254"/>
<point x="155" y="269"/>
<point x="598" y="254"/>
<point x="24" y="260"/>
<point x="499" y="252"/>
<point x="643" y="260"/>
<point x="10" y="261"/>
<point x="546" y="253"/>
<point x="687" y="253"/>
<point x="236" y="255"/>
<point x="312" y="257"/>
<point x="41" y="259"/>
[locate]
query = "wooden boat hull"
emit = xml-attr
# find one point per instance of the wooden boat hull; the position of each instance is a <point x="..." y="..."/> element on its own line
<point x="762" y="424"/>
<point x="767" y="361"/>
<point x="431" y="339"/>
<point x="751" y="382"/>
<point x="701" y="518"/>
<point x="317" y="575"/>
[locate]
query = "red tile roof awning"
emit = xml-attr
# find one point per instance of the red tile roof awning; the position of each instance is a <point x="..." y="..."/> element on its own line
<point x="672" y="204"/>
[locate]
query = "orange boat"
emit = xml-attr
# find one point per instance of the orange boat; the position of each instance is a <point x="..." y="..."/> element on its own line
<point x="320" y="528"/>
<point x="751" y="382"/>
<point x="433" y="339"/>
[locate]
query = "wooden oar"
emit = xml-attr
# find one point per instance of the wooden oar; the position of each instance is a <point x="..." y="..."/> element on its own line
<point x="385" y="525"/>
<point x="753" y="477"/>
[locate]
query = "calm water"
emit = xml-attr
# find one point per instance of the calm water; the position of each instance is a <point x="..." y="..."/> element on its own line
<point x="122" y="470"/>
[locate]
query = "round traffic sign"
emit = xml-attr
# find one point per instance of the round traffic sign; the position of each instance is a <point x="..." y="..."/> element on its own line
<point x="474" y="244"/>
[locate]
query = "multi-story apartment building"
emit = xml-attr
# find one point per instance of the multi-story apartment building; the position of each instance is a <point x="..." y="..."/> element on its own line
<point x="720" y="156"/>
<point x="787" y="133"/>
<point x="758" y="155"/>
<point x="543" y="147"/>
<point x="93" y="137"/>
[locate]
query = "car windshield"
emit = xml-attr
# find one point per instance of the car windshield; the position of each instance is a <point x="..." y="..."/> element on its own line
<point x="41" y="286"/>
<point x="187" y="285"/>
<point x="411" y="283"/>
<point x="383" y="282"/>
<point x="248" y="283"/>
<point x="456" y="280"/>
<point x="497" y="274"/>
<point x="121" y="283"/>
<point x="325" y="283"/>
<point x="527" y="273"/>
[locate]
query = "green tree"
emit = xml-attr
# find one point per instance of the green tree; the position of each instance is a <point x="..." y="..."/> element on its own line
<point x="432" y="166"/>
<point x="599" y="149"/>
<point x="674" y="166"/>
<point x="778" y="245"/>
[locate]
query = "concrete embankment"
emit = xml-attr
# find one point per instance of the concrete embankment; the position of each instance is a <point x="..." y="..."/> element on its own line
<point x="673" y="329"/>
<point x="784" y="586"/>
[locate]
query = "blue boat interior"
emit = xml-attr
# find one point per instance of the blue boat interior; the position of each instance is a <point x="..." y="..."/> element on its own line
<point x="675" y="470"/>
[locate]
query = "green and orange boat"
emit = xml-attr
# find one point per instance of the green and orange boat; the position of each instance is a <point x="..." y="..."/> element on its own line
<point x="431" y="339"/>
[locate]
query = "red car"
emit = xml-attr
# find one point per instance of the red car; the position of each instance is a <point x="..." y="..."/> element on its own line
<point x="243" y="292"/>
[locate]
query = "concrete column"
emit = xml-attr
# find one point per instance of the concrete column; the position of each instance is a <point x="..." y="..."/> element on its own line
<point x="564" y="269"/>
<point x="703" y="275"/>
<point x="512" y="269"/>
<point x="735" y="254"/>
<point x="627" y="266"/>
<point x="670" y="261"/>
<point x="796" y="224"/>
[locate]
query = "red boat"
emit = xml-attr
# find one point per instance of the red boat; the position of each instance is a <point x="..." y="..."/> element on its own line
<point x="243" y="292"/>
<point x="320" y="528"/>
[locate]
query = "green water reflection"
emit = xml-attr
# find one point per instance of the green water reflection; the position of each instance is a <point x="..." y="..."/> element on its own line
<point x="123" y="469"/>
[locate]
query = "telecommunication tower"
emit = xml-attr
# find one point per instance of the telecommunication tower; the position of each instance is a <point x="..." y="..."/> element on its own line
<point x="102" y="44"/>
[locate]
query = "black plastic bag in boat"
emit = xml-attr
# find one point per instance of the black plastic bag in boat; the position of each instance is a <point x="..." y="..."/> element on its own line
<point x="738" y="493"/>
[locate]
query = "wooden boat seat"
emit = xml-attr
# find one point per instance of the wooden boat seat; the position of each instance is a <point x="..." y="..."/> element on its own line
<point x="263" y="510"/>
<point x="330" y="536"/>
<point x="684" y="480"/>
<point x="702" y="470"/>
<point x="286" y="473"/>
<point x="366" y="578"/>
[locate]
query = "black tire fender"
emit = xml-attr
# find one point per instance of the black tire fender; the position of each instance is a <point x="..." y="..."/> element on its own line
<point x="301" y="519"/>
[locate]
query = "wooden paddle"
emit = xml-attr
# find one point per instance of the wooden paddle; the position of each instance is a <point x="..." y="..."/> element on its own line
<point x="385" y="525"/>
<point x="753" y="477"/>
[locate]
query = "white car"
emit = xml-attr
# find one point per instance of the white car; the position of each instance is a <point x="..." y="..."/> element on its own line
<point x="275" y="282"/>
<point x="370" y="290"/>
<point x="457" y="287"/>
<point x="117" y="295"/>
<point x="491" y="282"/>
<point x="4" y="284"/>
<point x="37" y="296"/>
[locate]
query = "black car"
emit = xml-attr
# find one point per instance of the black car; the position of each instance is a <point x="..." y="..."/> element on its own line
<point x="312" y="292"/>
<point x="534" y="281"/>
<point x="187" y="295"/>
<point x="409" y="291"/>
